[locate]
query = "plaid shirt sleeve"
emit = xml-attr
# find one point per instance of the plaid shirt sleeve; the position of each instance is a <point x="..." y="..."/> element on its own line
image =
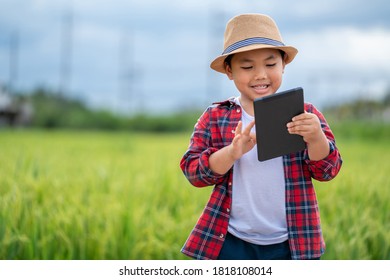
<point x="325" y="169"/>
<point x="205" y="141"/>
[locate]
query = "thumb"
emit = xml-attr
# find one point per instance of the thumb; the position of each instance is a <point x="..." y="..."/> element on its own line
<point x="236" y="139"/>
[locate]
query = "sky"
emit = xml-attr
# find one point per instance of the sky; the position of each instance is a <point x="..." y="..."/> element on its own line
<point x="153" y="56"/>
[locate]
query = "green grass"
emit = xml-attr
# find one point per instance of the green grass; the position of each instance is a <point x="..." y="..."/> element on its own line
<point x="355" y="205"/>
<point x="102" y="195"/>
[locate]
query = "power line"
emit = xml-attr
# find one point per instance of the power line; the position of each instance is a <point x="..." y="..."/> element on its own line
<point x="66" y="52"/>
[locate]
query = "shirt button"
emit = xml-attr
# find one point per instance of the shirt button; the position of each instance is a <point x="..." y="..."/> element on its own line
<point x="233" y="131"/>
<point x="228" y="210"/>
<point x="238" y="110"/>
<point x="221" y="236"/>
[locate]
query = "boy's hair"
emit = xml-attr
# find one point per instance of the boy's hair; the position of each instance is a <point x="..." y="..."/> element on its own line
<point x="228" y="59"/>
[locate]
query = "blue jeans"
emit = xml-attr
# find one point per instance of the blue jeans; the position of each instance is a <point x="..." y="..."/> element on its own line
<point x="236" y="249"/>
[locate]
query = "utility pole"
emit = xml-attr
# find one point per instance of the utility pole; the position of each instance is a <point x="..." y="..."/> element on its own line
<point x="216" y="21"/>
<point x="13" y="61"/>
<point x="126" y="72"/>
<point x="66" y="52"/>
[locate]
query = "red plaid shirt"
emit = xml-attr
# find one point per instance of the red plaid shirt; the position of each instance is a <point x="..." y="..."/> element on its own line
<point x="215" y="130"/>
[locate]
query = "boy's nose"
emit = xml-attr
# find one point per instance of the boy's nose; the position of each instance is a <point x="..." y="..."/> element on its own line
<point x="260" y="74"/>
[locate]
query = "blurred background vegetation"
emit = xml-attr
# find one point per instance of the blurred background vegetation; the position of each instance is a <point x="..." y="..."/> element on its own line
<point x="46" y="109"/>
<point x="43" y="108"/>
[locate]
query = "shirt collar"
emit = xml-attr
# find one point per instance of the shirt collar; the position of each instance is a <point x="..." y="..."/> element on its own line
<point x="230" y="102"/>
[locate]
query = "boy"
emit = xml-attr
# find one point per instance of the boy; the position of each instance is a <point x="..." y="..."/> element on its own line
<point x="257" y="210"/>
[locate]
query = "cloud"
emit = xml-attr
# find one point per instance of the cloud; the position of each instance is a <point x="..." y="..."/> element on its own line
<point x="344" y="48"/>
<point x="338" y="64"/>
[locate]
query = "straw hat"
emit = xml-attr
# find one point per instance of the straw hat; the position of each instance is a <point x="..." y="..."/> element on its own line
<point x="249" y="32"/>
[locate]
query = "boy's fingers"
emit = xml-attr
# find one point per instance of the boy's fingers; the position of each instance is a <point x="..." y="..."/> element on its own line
<point x="238" y="128"/>
<point x="253" y="137"/>
<point x="248" y="129"/>
<point x="301" y="116"/>
<point x="236" y="139"/>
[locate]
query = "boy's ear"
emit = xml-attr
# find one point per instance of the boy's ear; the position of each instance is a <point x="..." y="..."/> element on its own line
<point x="228" y="71"/>
<point x="284" y="62"/>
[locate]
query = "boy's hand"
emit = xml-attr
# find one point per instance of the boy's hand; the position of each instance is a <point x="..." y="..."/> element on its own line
<point x="308" y="126"/>
<point x="222" y="160"/>
<point x="243" y="141"/>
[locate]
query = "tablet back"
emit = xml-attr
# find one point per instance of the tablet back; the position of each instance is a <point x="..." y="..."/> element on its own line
<point x="272" y="113"/>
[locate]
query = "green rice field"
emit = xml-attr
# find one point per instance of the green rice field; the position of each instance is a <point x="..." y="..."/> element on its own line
<point x="121" y="195"/>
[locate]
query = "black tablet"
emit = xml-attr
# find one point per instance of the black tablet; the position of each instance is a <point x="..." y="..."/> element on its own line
<point x="272" y="113"/>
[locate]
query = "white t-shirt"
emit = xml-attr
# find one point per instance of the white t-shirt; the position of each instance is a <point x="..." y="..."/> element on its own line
<point x="258" y="213"/>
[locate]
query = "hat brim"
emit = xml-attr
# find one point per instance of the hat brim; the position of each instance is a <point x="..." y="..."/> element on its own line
<point x="218" y="64"/>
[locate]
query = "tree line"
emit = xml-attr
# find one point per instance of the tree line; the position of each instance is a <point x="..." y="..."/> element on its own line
<point x="51" y="110"/>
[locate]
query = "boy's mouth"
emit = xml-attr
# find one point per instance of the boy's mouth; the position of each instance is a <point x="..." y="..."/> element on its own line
<point x="260" y="88"/>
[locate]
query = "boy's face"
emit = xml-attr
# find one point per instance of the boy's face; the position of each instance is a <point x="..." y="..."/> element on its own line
<point x="256" y="73"/>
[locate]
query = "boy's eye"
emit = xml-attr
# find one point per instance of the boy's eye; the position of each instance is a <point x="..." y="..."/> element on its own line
<point x="271" y="65"/>
<point x="246" y="67"/>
